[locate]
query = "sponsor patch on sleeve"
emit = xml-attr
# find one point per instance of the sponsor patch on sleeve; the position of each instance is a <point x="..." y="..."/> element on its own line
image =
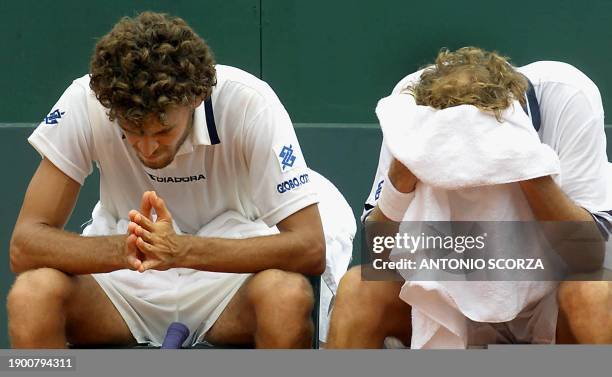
<point x="286" y="155"/>
<point x="54" y="116"/>
<point x="292" y="183"/>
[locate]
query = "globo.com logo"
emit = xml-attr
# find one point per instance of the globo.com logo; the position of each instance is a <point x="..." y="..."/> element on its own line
<point x="290" y="184"/>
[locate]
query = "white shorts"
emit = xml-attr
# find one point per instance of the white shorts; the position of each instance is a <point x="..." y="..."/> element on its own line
<point x="150" y="301"/>
<point x="536" y="324"/>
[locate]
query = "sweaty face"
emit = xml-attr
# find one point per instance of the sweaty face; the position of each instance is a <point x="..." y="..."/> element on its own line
<point x="156" y="141"/>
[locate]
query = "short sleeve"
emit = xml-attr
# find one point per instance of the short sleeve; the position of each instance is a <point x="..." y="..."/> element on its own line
<point x="64" y="136"/>
<point x="384" y="161"/>
<point x="582" y="152"/>
<point x="278" y="175"/>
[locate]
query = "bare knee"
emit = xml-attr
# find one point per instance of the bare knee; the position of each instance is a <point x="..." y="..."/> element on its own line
<point x="365" y="312"/>
<point x="36" y="293"/>
<point x="370" y="296"/>
<point x="282" y="290"/>
<point x="282" y="302"/>
<point x="587" y="305"/>
<point x="352" y="286"/>
<point x="576" y="296"/>
<point x="36" y="286"/>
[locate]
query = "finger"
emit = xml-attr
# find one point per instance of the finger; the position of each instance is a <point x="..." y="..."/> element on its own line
<point x="146" y="248"/>
<point x="132" y="214"/>
<point x="144" y="234"/>
<point x="141" y="220"/>
<point x="133" y="262"/>
<point x="145" y="204"/>
<point x="162" y="211"/>
<point x="132" y="254"/>
<point x="132" y="226"/>
<point x="150" y="265"/>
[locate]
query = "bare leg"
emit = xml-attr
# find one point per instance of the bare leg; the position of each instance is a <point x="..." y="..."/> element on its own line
<point x="366" y="312"/>
<point x="271" y="310"/>
<point x="585" y="312"/>
<point x="47" y="309"/>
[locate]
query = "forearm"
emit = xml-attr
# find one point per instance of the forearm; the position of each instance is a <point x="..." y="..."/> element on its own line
<point x="285" y="251"/>
<point x="396" y="194"/>
<point x="549" y="203"/>
<point x="574" y="235"/>
<point x="40" y="245"/>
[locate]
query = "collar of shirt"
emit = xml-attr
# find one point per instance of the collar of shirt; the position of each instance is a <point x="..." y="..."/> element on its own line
<point x="199" y="133"/>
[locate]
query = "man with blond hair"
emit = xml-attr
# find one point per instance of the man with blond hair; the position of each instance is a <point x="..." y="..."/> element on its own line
<point x="566" y="110"/>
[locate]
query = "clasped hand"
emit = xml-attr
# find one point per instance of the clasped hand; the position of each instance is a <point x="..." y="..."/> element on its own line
<point x="152" y="244"/>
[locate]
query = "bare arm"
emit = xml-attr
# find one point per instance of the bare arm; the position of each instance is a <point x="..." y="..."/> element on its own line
<point x="549" y="203"/>
<point x="299" y="247"/>
<point x="403" y="180"/>
<point x="39" y="240"/>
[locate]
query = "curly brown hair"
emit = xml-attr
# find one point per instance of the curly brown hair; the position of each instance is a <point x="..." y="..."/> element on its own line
<point x="147" y="63"/>
<point x="470" y="76"/>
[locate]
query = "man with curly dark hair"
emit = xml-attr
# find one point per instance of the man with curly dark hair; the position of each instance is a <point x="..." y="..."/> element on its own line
<point x="566" y="110"/>
<point x="227" y="222"/>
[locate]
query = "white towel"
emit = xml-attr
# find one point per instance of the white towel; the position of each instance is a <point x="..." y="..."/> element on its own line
<point x="466" y="162"/>
<point x="461" y="147"/>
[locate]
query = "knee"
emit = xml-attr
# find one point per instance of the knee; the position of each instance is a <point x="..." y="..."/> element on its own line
<point x="586" y="307"/>
<point x="351" y="286"/>
<point x="365" y="301"/>
<point x="282" y="290"/>
<point x="356" y="291"/>
<point x="578" y="297"/>
<point x="36" y="287"/>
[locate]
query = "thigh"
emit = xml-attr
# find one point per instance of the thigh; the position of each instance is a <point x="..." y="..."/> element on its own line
<point x="373" y="304"/>
<point x="236" y="324"/>
<point x="91" y="317"/>
<point x="264" y="294"/>
<point x="382" y="296"/>
<point x="396" y="320"/>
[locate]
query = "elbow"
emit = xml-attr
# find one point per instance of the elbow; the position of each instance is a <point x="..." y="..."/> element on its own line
<point x="592" y="260"/>
<point x="316" y="260"/>
<point x="17" y="254"/>
<point x="583" y="258"/>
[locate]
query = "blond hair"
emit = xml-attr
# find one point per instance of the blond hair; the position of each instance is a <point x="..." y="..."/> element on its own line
<point x="470" y="76"/>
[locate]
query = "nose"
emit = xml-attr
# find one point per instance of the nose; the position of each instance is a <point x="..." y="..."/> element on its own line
<point x="147" y="146"/>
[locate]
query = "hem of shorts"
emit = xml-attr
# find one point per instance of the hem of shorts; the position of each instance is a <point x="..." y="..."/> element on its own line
<point x="140" y="337"/>
<point x="214" y="316"/>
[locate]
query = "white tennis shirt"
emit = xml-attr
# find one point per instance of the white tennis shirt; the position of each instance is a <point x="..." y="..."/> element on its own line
<point x="242" y="155"/>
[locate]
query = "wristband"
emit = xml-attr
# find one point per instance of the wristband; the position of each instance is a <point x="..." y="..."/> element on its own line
<point x="393" y="203"/>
